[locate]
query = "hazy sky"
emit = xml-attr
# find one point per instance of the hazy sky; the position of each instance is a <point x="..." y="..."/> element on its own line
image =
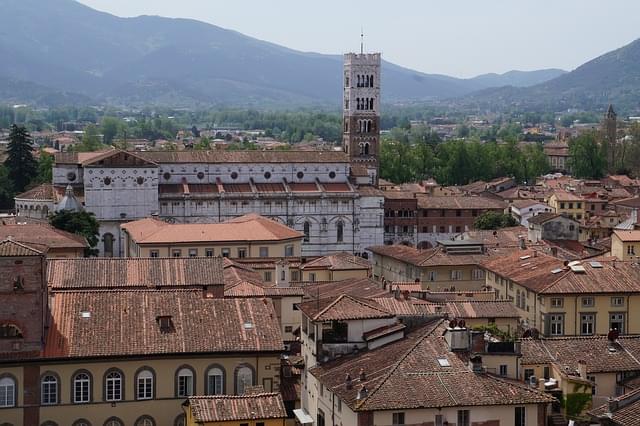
<point x="456" y="37"/>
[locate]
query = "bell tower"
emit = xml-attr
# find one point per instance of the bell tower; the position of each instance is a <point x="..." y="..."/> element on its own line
<point x="361" y="111"/>
<point x="610" y="137"/>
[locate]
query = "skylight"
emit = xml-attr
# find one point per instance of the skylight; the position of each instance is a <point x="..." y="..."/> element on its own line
<point x="444" y="362"/>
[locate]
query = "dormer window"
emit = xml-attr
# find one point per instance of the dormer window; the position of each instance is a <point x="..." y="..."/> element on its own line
<point x="165" y="323"/>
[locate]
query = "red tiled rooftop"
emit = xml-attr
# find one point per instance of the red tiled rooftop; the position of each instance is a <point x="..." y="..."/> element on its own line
<point x="270" y="187"/>
<point x="304" y="187"/>
<point x="230" y="408"/>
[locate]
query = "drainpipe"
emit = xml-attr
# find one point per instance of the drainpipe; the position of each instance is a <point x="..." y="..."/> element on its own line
<point x="353" y="226"/>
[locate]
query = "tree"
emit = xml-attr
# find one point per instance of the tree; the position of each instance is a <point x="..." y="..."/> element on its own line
<point x="20" y="164"/>
<point x="110" y="128"/>
<point x="81" y="223"/>
<point x="6" y="189"/>
<point x="45" y="168"/>
<point x="586" y="157"/>
<point x="90" y="140"/>
<point x="494" y="220"/>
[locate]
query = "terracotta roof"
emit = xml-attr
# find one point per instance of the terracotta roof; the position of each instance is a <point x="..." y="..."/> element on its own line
<point x="370" y="191"/>
<point x="505" y="237"/>
<point x="251" y="227"/>
<point x="304" y="187"/>
<point x="230" y="408"/>
<point x="627" y="236"/>
<point x="406" y="374"/>
<point x="429" y="257"/>
<point x="456" y="202"/>
<point x="543" y="217"/>
<point x="598" y="352"/>
<point x="633" y="202"/>
<point x="522" y="204"/>
<point x="10" y="248"/>
<point x="533" y="272"/>
<point x="610" y="276"/>
<point x="115" y="273"/>
<point x="342" y="261"/>
<point x="561" y="195"/>
<point x="336" y="187"/>
<point x="43" y="192"/>
<point x="80" y="157"/>
<point x="623" y="410"/>
<point x="359" y="287"/>
<point x="44" y="235"/>
<point x="342" y="308"/>
<point x="125" y="323"/>
<point x="223" y="157"/>
<point x="472" y="309"/>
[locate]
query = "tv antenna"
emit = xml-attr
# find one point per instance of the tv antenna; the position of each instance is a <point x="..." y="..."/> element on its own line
<point x="361" y="40"/>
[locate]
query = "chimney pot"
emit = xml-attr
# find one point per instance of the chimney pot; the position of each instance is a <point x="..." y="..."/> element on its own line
<point x="348" y="382"/>
<point x="362" y="376"/>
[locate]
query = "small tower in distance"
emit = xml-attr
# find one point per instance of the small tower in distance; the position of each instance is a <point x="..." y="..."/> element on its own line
<point x="361" y="111"/>
<point x="610" y="137"/>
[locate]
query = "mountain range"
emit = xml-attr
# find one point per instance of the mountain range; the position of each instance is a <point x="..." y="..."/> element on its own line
<point x="61" y="52"/>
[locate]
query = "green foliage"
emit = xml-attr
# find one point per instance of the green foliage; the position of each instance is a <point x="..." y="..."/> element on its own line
<point x="90" y="140"/>
<point x="577" y="402"/>
<point x="494" y="220"/>
<point x="20" y="163"/>
<point x="203" y="145"/>
<point x="495" y="331"/>
<point x="81" y="223"/>
<point x="111" y="127"/>
<point x="587" y="159"/>
<point x="6" y="189"/>
<point x="45" y="168"/>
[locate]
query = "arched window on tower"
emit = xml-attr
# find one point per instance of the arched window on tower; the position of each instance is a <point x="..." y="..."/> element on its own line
<point x="371" y="80"/>
<point x="366" y="148"/>
<point x="370" y="103"/>
<point x="307" y="231"/>
<point x="340" y="231"/>
<point x="357" y="103"/>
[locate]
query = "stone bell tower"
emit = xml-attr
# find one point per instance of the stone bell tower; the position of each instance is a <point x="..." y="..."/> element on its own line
<point x="361" y="111"/>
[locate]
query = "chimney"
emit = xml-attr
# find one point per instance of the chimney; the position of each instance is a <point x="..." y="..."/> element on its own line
<point x="362" y="393"/>
<point x="396" y="293"/>
<point x="582" y="369"/>
<point x="554" y="251"/>
<point x="214" y="291"/>
<point x="523" y="243"/>
<point x="348" y="382"/>
<point x="362" y="376"/>
<point x="612" y="405"/>
<point x="476" y="364"/>
<point x="477" y="342"/>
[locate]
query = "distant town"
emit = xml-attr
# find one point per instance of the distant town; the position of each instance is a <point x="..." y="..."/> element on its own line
<point x="361" y="268"/>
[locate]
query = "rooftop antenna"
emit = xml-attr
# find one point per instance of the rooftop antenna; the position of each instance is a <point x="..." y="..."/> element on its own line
<point x="361" y="40"/>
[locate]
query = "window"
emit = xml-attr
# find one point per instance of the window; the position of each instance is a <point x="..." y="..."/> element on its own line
<point x="528" y="372"/>
<point x="244" y="379"/>
<point x="176" y="253"/>
<point x="433" y="275"/>
<point x="81" y="388"/>
<point x="478" y="274"/>
<point x="10" y="331"/>
<point x="267" y="276"/>
<point x="184" y="382"/>
<point x="570" y="205"/>
<point x="113" y="386"/>
<point x="113" y="421"/>
<point x="520" y="416"/>
<point x="234" y="175"/>
<point x="144" y="384"/>
<point x="312" y="277"/>
<point x="264" y="251"/>
<point x="307" y="232"/>
<point x="180" y="420"/>
<point x="617" y="301"/>
<point x="340" y="231"/>
<point x="49" y="390"/>
<point x="154" y="253"/>
<point x="295" y="275"/>
<point x="442" y="230"/>
<point x="587" y="302"/>
<point x="587" y="324"/>
<point x="557" y="302"/>
<point x="320" y="421"/>
<point x="616" y="321"/>
<point x="556" y="325"/>
<point x="193" y="252"/>
<point x="288" y="250"/>
<point x="242" y="253"/>
<point x="145" y="421"/>
<point x="225" y="252"/>
<point x="439" y="420"/>
<point x="631" y="250"/>
<point x="215" y="381"/>
<point x="397" y="419"/>
<point x="208" y="252"/>
<point x="82" y="422"/>
<point x="7" y="391"/>
<point x="562" y="205"/>
<point x="503" y="370"/>
<point x="339" y="405"/>
<point x="288" y="328"/>
<point x="300" y="175"/>
<point x="463" y="418"/>
<point x="456" y="275"/>
<point x="545" y="373"/>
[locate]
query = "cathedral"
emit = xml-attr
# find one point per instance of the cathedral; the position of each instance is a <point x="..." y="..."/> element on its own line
<point x="329" y="196"/>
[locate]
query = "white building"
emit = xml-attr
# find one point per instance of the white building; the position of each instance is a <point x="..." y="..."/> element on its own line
<point x="523" y="210"/>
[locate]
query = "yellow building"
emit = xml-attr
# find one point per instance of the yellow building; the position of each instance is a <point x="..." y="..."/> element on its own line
<point x="566" y="203"/>
<point x="582" y="298"/>
<point x="335" y="267"/>
<point x="249" y="236"/>
<point x="454" y="265"/>
<point x="625" y="245"/>
<point x="260" y="409"/>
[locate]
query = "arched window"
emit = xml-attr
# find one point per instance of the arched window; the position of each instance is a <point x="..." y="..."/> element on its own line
<point x="357" y="103"/>
<point x="144" y="384"/>
<point x="371" y="80"/>
<point x="215" y="381"/>
<point x="7" y="391"/>
<point x="10" y="331"/>
<point x="366" y="148"/>
<point x="82" y="422"/>
<point x="179" y="420"/>
<point x="81" y="388"/>
<point x="113" y="385"/>
<point x="184" y="382"/>
<point x="49" y="389"/>
<point x="371" y="103"/>
<point x="307" y="231"/>
<point x="113" y="421"/>
<point x="145" y="421"/>
<point x="340" y="231"/>
<point x="108" y="244"/>
<point x="244" y="379"/>
<point x="49" y="423"/>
